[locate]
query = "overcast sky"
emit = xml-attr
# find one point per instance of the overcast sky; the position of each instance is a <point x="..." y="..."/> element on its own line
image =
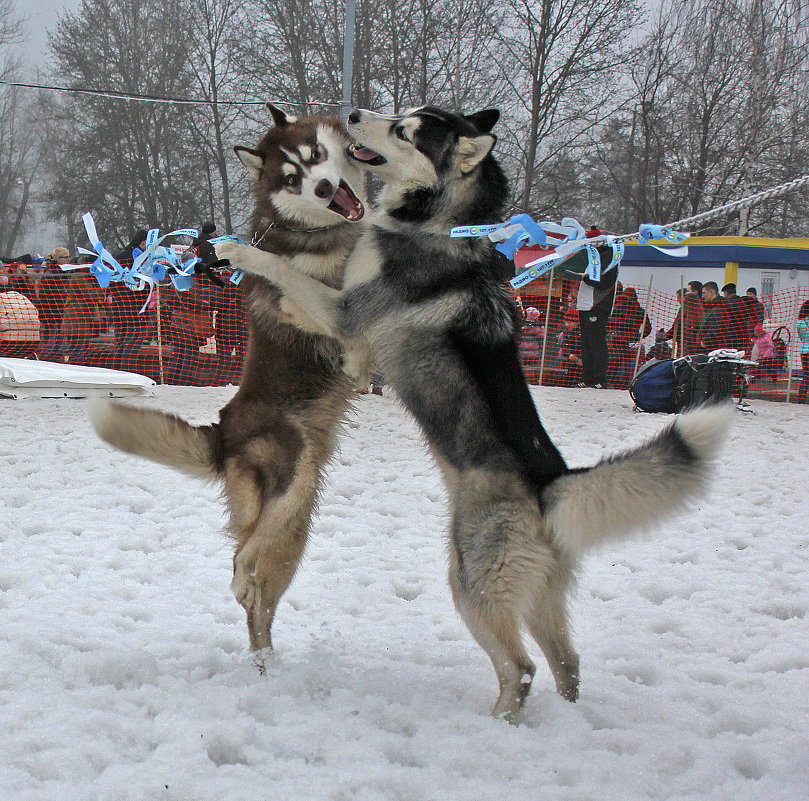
<point x="41" y="16"/>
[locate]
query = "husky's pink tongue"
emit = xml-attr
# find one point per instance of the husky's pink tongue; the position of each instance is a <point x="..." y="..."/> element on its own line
<point x="345" y="202"/>
<point x="365" y="153"/>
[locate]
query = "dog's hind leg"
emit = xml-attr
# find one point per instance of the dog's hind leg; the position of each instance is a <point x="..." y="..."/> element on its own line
<point x="266" y="563"/>
<point x="271" y="501"/>
<point x="486" y="591"/>
<point x="547" y="622"/>
<point x="275" y="568"/>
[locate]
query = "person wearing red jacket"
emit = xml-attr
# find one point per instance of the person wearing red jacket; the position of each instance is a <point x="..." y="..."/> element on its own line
<point x="726" y="323"/>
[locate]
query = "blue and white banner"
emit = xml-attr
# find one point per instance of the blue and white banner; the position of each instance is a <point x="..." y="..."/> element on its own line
<point x="566" y="238"/>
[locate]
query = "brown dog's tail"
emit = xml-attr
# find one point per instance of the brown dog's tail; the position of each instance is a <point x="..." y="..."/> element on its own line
<point x="158" y="436"/>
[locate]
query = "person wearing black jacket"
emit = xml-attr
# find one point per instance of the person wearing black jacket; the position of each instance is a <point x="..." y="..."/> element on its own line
<point x="226" y="298"/>
<point x="594" y="302"/>
<point x="131" y="327"/>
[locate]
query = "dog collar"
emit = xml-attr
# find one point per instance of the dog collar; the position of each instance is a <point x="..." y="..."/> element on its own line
<point x="257" y="240"/>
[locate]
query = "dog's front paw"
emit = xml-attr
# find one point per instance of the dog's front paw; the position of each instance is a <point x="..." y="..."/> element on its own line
<point x="356" y="364"/>
<point x="233" y="252"/>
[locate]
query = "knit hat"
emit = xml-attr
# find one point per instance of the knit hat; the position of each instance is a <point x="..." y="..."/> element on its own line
<point x="138" y="237"/>
<point x="571" y="316"/>
<point x="758" y="330"/>
<point x="208" y="228"/>
<point x="60" y="253"/>
<point x="532" y="314"/>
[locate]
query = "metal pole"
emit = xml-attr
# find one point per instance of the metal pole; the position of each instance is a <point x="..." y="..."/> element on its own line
<point x="643" y="325"/>
<point x="682" y="316"/>
<point x="793" y="336"/>
<point x="348" y="58"/>
<point x="160" y="337"/>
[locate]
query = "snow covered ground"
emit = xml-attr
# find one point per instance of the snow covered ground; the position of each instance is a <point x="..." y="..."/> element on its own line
<point x="124" y="674"/>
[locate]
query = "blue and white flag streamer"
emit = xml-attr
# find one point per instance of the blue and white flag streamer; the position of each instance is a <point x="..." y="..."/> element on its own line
<point x="151" y="266"/>
<point x="567" y="238"/>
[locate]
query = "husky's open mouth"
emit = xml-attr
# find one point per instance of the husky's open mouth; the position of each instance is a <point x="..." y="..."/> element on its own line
<point x="366" y="155"/>
<point x="346" y="203"/>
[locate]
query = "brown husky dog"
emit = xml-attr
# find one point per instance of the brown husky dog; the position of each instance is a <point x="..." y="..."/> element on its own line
<point x="279" y="430"/>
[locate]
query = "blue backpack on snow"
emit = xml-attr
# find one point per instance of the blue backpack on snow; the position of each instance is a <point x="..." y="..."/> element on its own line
<point x="673" y="385"/>
<point x="654" y="386"/>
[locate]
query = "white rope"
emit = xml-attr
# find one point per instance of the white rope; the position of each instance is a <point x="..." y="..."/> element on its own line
<point x="727" y="208"/>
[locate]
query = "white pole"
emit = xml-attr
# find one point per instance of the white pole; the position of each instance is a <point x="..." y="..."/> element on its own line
<point x="159" y="338"/>
<point x="643" y="325"/>
<point x="348" y="58"/>
<point x="547" y="328"/>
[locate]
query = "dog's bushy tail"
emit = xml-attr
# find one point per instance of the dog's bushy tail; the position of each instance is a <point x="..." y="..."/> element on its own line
<point x="634" y="489"/>
<point x="158" y="436"/>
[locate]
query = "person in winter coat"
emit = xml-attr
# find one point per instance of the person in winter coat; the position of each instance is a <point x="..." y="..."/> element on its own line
<point x="740" y="318"/>
<point x="726" y="323"/>
<point x="803" y="338"/>
<point x="189" y="324"/>
<point x="763" y="347"/>
<point x="131" y="327"/>
<point x="570" y="351"/>
<point x="764" y="353"/>
<point x="755" y="308"/>
<point x="531" y="339"/>
<point x="80" y="317"/>
<point x="661" y="349"/>
<point x="628" y="317"/>
<point x="692" y="311"/>
<point x="51" y="303"/>
<point x="594" y="302"/>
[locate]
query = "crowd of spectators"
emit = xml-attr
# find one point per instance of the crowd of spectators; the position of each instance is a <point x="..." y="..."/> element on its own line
<point x="65" y="316"/>
<point x="708" y="319"/>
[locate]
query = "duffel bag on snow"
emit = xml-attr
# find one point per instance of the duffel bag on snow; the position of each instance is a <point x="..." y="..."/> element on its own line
<point x="675" y="385"/>
<point x="653" y="387"/>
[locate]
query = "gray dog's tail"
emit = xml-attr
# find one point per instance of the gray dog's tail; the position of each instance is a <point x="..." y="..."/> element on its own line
<point x="158" y="436"/>
<point x="632" y="490"/>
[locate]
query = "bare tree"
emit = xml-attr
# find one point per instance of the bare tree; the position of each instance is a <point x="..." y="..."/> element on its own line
<point x="217" y="79"/>
<point x="134" y="160"/>
<point x="560" y="59"/>
<point x="19" y="137"/>
<point x="293" y="51"/>
<point x="710" y="120"/>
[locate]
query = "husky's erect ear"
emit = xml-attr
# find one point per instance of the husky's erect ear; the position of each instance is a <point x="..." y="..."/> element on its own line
<point x="472" y="150"/>
<point x="279" y="117"/>
<point x="484" y="121"/>
<point x="251" y="159"/>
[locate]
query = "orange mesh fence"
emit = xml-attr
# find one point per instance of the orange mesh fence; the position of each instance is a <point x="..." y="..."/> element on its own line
<point x="195" y="338"/>
<point x="646" y="325"/>
<point x="198" y="337"/>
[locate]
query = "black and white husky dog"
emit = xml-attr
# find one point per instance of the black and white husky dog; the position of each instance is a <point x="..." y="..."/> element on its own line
<point x="443" y="329"/>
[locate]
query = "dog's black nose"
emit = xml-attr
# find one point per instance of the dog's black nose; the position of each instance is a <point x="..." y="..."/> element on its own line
<point x="324" y="188"/>
<point x="354" y="117"/>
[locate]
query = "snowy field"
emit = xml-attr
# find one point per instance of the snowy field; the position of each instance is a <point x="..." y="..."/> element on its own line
<point x="124" y="674"/>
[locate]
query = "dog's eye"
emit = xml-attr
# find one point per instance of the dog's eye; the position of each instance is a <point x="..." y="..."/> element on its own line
<point x="292" y="180"/>
<point x="400" y="132"/>
<point x="316" y="155"/>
